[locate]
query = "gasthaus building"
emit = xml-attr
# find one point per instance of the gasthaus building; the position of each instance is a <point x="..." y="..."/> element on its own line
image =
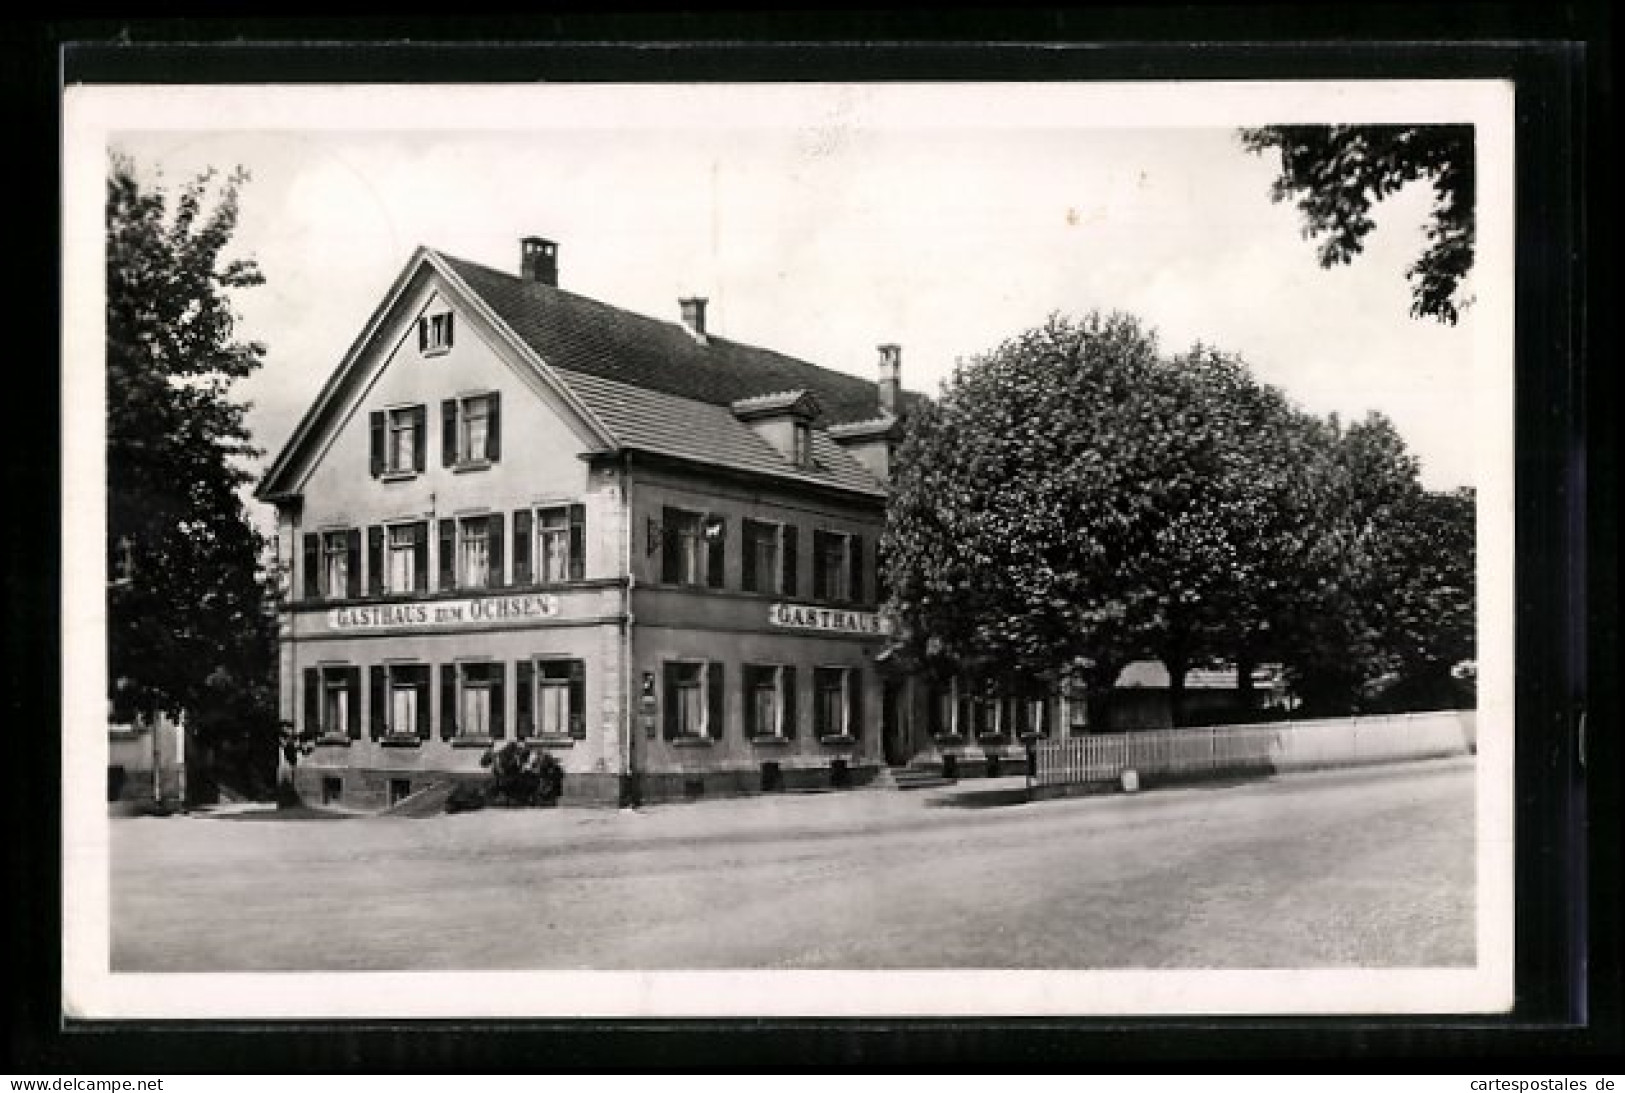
<point x="515" y="512"/>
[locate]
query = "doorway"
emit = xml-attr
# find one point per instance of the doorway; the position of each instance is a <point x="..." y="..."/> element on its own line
<point x="894" y="741"/>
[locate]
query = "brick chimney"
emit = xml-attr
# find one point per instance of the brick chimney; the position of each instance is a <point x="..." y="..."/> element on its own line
<point x="891" y="377"/>
<point x="694" y="315"/>
<point x="539" y="260"/>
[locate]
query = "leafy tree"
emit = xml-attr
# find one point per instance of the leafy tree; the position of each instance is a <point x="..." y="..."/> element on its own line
<point x="1075" y="499"/>
<point x="190" y="629"/>
<point x="1017" y="499"/>
<point x="1358" y="479"/>
<point x="1425" y="615"/>
<point x="1337" y="173"/>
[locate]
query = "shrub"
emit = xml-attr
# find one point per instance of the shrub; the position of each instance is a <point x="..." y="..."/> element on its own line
<point x="522" y="775"/>
<point x="466" y="797"/>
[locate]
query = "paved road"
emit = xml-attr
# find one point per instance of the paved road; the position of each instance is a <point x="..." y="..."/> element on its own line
<point x="1368" y="868"/>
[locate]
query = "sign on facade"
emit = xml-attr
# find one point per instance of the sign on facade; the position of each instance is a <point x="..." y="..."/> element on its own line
<point x="440" y="613"/>
<point x="797" y="616"/>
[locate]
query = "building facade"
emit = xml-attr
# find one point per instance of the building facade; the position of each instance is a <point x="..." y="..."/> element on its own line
<point x="517" y="513"/>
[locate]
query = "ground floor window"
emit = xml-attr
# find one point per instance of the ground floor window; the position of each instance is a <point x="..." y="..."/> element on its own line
<point x="837" y="702"/>
<point x="770" y="700"/>
<point x="333" y="700"/>
<point x="552" y="697"/>
<point x="472" y="700"/>
<point x="693" y="700"/>
<point x="400" y="700"/>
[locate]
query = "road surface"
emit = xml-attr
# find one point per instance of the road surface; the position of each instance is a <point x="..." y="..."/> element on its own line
<point x="1365" y="868"/>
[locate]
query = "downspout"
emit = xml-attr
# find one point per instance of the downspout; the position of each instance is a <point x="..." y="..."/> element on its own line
<point x="631" y="708"/>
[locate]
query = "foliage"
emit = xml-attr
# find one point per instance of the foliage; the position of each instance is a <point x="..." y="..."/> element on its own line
<point x="522" y="775"/>
<point x="190" y="623"/>
<point x="465" y="797"/>
<point x="1337" y="173"/>
<point x="1073" y="501"/>
<point x="1425" y="612"/>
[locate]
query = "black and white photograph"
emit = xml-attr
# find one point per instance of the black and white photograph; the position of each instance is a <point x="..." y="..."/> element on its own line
<point x="788" y="549"/>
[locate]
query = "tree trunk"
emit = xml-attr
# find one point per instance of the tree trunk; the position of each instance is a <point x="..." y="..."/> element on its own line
<point x="1246" y="661"/>
<point x="1177" y="665"/>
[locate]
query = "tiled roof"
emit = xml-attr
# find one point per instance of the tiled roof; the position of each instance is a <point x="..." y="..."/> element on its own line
<point x="654" y="421"/>
<point x="586" y="337"/>
<point x="776" y="402"/>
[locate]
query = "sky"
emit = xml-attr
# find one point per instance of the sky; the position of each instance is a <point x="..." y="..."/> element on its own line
<point x="822" y="221"/>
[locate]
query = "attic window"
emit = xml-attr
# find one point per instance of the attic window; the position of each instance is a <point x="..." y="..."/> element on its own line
<point x="801" y="453"/>
<point x="434" y="333"/>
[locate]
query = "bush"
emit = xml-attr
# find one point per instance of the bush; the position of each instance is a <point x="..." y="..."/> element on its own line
<point x="522" y="775"/>
<point x="465" y="797"/>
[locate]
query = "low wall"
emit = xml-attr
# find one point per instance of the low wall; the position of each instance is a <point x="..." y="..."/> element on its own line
<point x="1254" y="749"/>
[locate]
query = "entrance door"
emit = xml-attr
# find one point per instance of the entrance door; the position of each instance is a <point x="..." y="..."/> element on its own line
<point x="893" y="726"/>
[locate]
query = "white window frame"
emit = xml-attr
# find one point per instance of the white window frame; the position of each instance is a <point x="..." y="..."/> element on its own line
<point x="398" y="420"/>
<point x="331" y="589"/>
<point x="540" y="680"/>
<point x="775" y="586"/>
<point x="705" y="730"/>
<point x="436" y="336"/>
<point x="335" y="679"/>
<point x="843" y="572"/>
<point x="845" y="730"/>
<point x="463" y="541"/>
<point x="538" y="546"/>
<point x="466" y="456"/>
<point x="425" y="529"/>
<point x="397" y="677"/>
<point x="749" y="695"/>
<point x="464" y="686"/>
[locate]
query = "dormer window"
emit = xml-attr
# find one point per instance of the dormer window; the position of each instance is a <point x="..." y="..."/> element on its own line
<point x="434" y="333"/>
<point x="801" y="450"/>
<point x="783" y="419"/>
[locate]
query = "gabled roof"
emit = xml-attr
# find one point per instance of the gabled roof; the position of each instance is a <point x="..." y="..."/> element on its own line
<point x="803" y="404"/>
<point x="582" y="335"/>
<point x="699" y="432"/>
<point x="638" y="383"/>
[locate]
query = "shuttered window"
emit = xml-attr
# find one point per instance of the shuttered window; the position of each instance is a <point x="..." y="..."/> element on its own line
<point x="471" y="430"/>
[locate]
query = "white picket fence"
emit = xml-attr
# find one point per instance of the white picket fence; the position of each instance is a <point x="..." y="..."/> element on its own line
<point x="1277" y="746"/>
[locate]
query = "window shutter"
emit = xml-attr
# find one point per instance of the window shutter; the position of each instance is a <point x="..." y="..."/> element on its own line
<point x="313" y="566"/>
<point x="749" y="531"/>
<point x="714" y="698"/>
<point x="521" y="547"/>
<point x="789" y="586"/>
<point x="420" y="556"/>
<point x="716" y="552"/>
<point x="352" y="563"/>
<point x="819" y="581"/>
<point x="787" y="689"/>
<point x="578" y="542"/>
<point x="423" y="335"/>
<point x="448" y="432"/>
<point x="499" y="695"/>
<point x="524" y="690"/>
<point x="313" y="701"/>
<point x="493" y="425"/>
<point x="854" y="557"/>
<point x="854" y="702"/>
<point x="448" y="701"/>
<point x="670" y="556"/>
<point x="378" y="700"/>
<point x="422" y="685"/>
<point x="493" y="548"/>
<point x="420" y="435"/>
<point x="578" y="699"/>
<point x="451" y="325"/>
<point x="669" y="700"/>
<point x="448" y="555"/>
<point x="375" y="560"/>
<point x="376" y="425"/>
<point x="352" y="684"/>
